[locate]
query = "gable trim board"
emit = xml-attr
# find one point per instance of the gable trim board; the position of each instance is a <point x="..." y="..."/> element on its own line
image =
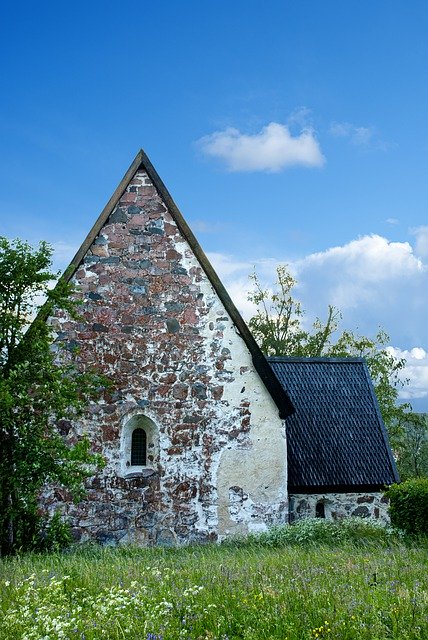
<point x="142" y="162"/>
<point x="336" y="439"/>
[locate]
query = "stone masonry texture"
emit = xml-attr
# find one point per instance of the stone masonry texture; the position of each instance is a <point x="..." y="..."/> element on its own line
<point x="154" y="325"/>
<point x="372" y="505"/>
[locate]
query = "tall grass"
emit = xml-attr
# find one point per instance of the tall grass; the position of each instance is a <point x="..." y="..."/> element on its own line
<point x="248" y="590"/>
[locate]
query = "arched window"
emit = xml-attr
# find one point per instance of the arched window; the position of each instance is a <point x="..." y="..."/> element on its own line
<point x="320" y="510"/>
<point x="139" y="447"/>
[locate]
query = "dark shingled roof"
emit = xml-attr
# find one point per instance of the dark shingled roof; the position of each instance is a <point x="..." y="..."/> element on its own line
<point x="336" y="438"/>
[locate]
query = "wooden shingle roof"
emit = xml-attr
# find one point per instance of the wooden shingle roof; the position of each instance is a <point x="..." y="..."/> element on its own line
<point x="336" y="438"/>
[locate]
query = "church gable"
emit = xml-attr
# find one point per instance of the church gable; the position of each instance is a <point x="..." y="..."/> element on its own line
<point x="194" y="445"/>
<point x="120" y="205"/>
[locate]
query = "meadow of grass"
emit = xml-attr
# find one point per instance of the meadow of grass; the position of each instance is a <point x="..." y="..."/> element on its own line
<point x="292" y="586"/>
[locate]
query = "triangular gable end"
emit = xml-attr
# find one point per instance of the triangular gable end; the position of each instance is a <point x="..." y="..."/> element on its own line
<point x="142" y="163"/>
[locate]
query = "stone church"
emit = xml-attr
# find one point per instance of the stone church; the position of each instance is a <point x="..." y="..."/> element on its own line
<point x="203" y="436"/>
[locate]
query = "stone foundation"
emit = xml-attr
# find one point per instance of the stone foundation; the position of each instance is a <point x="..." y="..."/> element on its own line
<point x="334" y="506"/>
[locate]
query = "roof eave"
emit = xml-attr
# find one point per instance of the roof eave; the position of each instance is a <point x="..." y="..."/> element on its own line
<point x="339" y="488"/>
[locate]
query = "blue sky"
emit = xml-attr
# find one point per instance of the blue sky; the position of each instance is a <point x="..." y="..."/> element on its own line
<point x="285" y="131"/>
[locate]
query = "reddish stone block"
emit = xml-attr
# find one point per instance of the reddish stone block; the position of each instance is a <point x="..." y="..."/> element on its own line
<point x="189" y="316"/>
<point x="245" y="423"/>
<point x="180" y="391"/>
<point x="170" y="229"/>
<point x="147" y="191"/>
<point x="101" y="251"/>
<point x="172" y="451"/>
<point x="162" y="264"/>
<point x="169" y="378"/>
<point x="164" y="390"/>
<point x="110" y="434"/>
<point x="217" y="392"/>
<point x="128" y="197"/>
<point x="173" y="255"/>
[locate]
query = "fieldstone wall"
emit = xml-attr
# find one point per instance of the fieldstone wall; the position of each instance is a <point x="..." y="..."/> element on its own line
<point x="154" y="325"/>
<point x="339" y="505"/>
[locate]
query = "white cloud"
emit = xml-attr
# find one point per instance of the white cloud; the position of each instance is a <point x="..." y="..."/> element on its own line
<point x="226" y="265"/>
<point x="235" y="276"/>
<point x="340" y="129"/>
<point x="392" y="221"/>
<point x="374" y="282"/>
<point x="370" y="258"/>
<point x="238" y="289"/>
<point x="301" y="117"/>
<point x="421" y="235"/>
<point x="416" y="372"/>
<point x="369" y="271"/>
<point x="365" y="137"/>
<point x="63" y="252"/>
<point x="273" y="149"/>
<point x="202" y="226"/>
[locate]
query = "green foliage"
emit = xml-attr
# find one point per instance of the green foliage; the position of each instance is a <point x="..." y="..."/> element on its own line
<point x="316" y="531"/>
<point x="55" y="534"/>
<point x="37" y="389"/>
<point x="277" y="322"/>
<point x="412" y="447"/>
<point x="408" y="506"/>
<point x="213" y="592"/>
<point x="277" y="327"/>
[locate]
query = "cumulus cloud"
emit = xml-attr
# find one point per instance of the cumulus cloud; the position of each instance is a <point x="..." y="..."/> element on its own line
<point x="416" y="372"/>
<point x="374" y="282"/>
<point x="421" y="235"/>
<point x="367" y="272"/>
<point x="371" y="258"/>
<point x="235" y="276"/>
<point x="226" y="265"/>
<point x="273" y="149"/>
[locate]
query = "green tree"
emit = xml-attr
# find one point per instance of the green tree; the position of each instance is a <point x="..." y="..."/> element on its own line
<point x="413" y="447"/>
<point x="278" y="328"/>
<point x="37" y="389"/>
